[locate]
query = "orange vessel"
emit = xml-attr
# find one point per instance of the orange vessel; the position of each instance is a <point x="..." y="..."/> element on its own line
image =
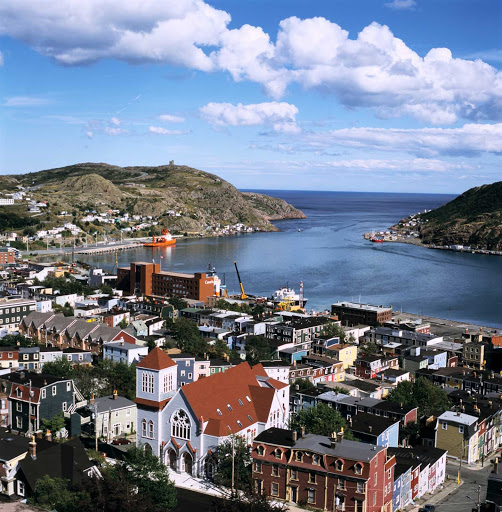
<point x="161" y="241"/>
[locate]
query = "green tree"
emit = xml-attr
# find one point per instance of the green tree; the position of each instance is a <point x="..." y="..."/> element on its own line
<point x="53" y="494"/>
<point x="67" y="310"/>
<point x="410" y="434"/>
<point x="321" y="420"/>
<point x="16" y="340"/>
<point x="370" y="348"/>
<point x="242" y="464"/>
<point x="106" y="288"/>
<point x="333" y="330"/>
<point x="219" y="349"/>
<point x="257" y="349"/>
<point x="304" y="384"/>
<point x="55" y="424"/>
<point x="147" y="471"/>
<point x="123" y="324"/>
<point x="178" y="303"/>
<point x="423" y="394"/>
<point x="60" y="367"/>
<point x="188" y="337"/>
<point x="116" y="376"/>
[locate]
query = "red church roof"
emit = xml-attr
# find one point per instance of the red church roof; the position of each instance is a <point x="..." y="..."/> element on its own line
<point x="157" y="359"/>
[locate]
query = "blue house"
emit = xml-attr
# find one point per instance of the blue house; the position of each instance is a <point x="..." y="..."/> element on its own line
<point x="396" y="491"/>
<point x="185" y="366"/>
<point x="77" y="356"/>
<point x="401" y="492"/>
<point x="369" y="428"/>
<point x="437" y="358"/>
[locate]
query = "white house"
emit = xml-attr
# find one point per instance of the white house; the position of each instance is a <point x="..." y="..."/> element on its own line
<point x="184" y="427"/>
<point x="123" y="352"/>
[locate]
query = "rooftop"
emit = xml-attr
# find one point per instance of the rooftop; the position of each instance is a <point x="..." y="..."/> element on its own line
<point x="458" y="417"/>
<point x="359" y="305"/>
<point x="157" y="359"/>
<point x="108" y="403"/>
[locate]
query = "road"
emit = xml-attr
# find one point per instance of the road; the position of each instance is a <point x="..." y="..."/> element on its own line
<point x="457" y="501"/>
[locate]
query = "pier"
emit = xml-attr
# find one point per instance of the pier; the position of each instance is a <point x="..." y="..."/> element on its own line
<point x="108" y="248"/>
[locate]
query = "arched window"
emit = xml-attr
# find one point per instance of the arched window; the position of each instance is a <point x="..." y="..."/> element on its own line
<point x="150" y="429"/>
<point x="260" y="450"/>
<point x="180" y="425"/>
<point x="358" y="468"/>
<point x="278" y="454"/>
<point x="143" y="428"/>
<point x="339" y="465"/>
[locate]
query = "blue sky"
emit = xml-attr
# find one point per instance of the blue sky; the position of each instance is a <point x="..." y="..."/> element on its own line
<point x="372" y="95"/>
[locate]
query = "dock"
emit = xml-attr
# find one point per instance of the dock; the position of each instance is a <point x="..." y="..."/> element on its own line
<point x="109" y="248"/>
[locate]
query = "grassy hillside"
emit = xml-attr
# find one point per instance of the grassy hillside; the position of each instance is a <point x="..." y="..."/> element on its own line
<point x="473" y="218"/>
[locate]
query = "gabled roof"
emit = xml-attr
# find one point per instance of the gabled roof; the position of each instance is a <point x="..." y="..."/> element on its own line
<point x="36" y="318"/>
<point x="241" y="394"/>
<point x="157" y="359"/>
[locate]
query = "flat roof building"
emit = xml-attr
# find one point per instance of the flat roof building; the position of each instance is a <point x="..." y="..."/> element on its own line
<point x="353" y="313"/>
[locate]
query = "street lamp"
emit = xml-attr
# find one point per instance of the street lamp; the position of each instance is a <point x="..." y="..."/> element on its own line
<point x="477" y="503"/>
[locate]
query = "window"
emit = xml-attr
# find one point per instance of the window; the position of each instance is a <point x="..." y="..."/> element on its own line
<point x="275" y="470"/>
<point x="19" y="406"/>
<point x="299" y="456"/>
<point x="339" y="465"/>
<point x="374" y="498"/>
<point x="358" y="469"/>
<point x="240" y="402"/>
<point x="375" y="479"/>
<point x="64" y="406"/>
<point x="341" y="484"/>
<point x="128" y="412"/>
<point x="180" y="425"/>
<point x="239" y="423"/>
<point x="389" y="473"/>
<point x="294" y="474"/>
<point x="311" y="496"/>
<point x="143" y="428"/>
<point x="43" y="393"/>
<point x="68" y="358"/>
<point x="10" y="355"/>
<point x="182" y="373"/>
<point x="147" y="382"/>
<point x="229" y="407"/>
<point x="68" y="386"/>
<point x="250" y="418"/>
<point x="190" y="376"/>
<point x="260" y="451"/>
<point x="360" y="487"/>
<point x="274" y="489"/>
<point x="444" y="425"/>
<point x="168" y="382"/>
<point x="20" y="488"/>
<point x="311" y="478"/>
<point x="461" y="429"/>
<point x="278" y="454"/>
<point x="150" y="429"/>
<point x="248" y="399"/>
<point x="219" y="412"/>
<point x="19" y="422"/>
<point x="316" y="459"/>
<point x="257" y="467"/>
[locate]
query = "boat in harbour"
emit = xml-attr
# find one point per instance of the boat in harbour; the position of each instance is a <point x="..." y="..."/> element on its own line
<point x="288" y="295"/>
<point x="161" y="241"/>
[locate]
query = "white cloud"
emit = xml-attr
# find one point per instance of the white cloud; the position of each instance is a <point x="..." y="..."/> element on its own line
<point x="109" y="130"/>
<point x="401" y="4"/>
<point x="89" y="134"/>
<point x="280" y="116"/>
<point x="168" y="118"/>
<point x="375" y="69"/>
<point x="158" y="130"/>
<point x="415" y="165"/>
<point x="1" y="59"/>
<point x="24" y="101"/>
<point x="115" y="121"/>
<point x="470" y="140"/>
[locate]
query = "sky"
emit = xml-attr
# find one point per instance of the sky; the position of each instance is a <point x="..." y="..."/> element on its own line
<point x="355" y="95"/>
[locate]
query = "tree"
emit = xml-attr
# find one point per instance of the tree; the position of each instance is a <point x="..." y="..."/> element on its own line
<point x="257" y="349"/>
<point x="53" y="494"/>
<point x="304" y="384"/>
<point x="178" y="303"/>
<point x="106" y="288"/>
<point x="188" y="337"/>
<point x="423" y="394"/>
<point x="219" y="349"/>
<point x="123" y="324"/>
<point x="370" y="348"/>
<point x="55" y="424"/>
<point x="60" y="367"/>
<point x="16" y="340"/>
<point x="67" y="310"/>
<point x="321" y="420"/>
<point x="333" y="330"/>
<point x="242" y="464"/>
<point x="410" y="434"/>
<point x="116" y="376"/>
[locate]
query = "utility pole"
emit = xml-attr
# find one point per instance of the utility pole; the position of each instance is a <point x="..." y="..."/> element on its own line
<point x="233" y="464"/>
<point x="460" y="465"/>
<point x="479" y="498"/>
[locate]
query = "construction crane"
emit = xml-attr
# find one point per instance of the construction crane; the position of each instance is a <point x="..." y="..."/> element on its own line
<point x="243" y="295"/>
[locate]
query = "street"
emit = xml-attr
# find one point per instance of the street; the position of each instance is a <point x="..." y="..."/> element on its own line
<point x="457" y="501"/>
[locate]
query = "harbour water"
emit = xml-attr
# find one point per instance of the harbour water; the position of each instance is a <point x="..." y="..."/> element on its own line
<point x="335" y="263"/>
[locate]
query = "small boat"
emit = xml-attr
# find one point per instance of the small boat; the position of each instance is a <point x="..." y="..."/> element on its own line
<point x="377" y="240"/>
<point x="299" y="230"/>
<point x="161" y="241"/>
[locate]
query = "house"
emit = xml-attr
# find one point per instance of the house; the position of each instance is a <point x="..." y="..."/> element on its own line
<point x="9" y="357"/>
<point x="123" y="352"/>
<point x="67" y="460"/>
<point x="368" y="367"/>
<point x="347" y="354"/>
<point x="37" y="396"/>
<point x="401" y="488"/>
<point x="186" y="368"/>
<point x="13" y="449"/>
<point x="13" y="310"/>
<point x="296" y="330"/>
<point x="369" y="428"/>
<point x="322" y="472"/>
<point x="113" y="416"/>
<point x="352" y="313"/>
<point x="77" y="356"/>
<point x="384" y="335"/>
<point x="184" y="425"/>
<point x="278" y="370"/>
<point x="414" y="363"/>
<point x="474" y="354"/>
<point x="457" y="433"/>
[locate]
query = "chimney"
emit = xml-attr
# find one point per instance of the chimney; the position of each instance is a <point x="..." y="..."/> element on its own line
<point x="496" y="465"/>
<point x="302" y="430"/>
<point x="333" y="439"/>
<point x="91" y="401"/>
<point x="295" y="436"/>
<point x="370" y="428"/>
<point x="115" y="395"/>
<point x="32" y="450"/>
<point x="48" y="436"/>
<point x="350" y="422"/>
<point x="339" y="436"/>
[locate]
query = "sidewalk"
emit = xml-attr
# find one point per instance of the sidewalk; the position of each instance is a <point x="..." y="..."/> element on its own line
<point x="476" y="466"/>
<point x="186" y="481"/>
<point x="446" y="488"/>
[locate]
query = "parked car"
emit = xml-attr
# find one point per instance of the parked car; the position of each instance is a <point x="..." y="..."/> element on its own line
<point x="121" y="440"/>
<point x="428" y="508"/>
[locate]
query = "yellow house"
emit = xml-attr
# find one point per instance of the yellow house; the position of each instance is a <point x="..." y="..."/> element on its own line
<point x="458" y="433"/>
<point x="346" y="354"/>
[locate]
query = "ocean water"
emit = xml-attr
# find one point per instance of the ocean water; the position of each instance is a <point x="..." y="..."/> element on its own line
<point x="335" y="263"/>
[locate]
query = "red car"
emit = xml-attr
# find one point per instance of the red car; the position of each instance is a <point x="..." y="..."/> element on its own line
<point x="121" y="440"/>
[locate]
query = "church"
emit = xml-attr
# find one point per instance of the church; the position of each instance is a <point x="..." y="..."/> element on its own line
<point x="184" y="426"/>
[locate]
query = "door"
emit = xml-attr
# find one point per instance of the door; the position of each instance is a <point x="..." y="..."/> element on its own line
<point x="294" y="494"/>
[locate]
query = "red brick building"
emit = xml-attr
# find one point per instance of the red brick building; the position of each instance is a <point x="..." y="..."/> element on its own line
<point x="7" y="256"/>
<point x="368" y="367"/>
<point x="324" y="473"/>
<point x="147" y="279"/>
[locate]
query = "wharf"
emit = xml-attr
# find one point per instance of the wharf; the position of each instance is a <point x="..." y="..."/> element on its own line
<point x="108" y="248"/>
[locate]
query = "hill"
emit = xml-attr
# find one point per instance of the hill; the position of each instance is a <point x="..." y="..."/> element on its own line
<point x="472" y="219"/>
<point x="180" y="198"/>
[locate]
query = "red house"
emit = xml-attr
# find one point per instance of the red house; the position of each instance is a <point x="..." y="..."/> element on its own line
<point x="322" y="472"/>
